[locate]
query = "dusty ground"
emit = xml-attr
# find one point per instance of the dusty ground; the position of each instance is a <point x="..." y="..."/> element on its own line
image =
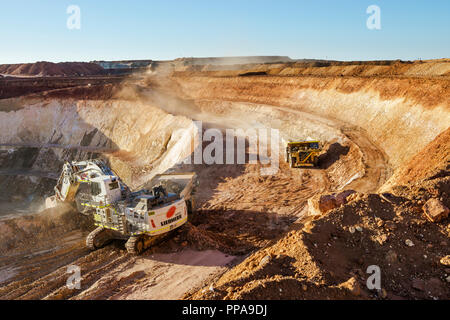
<point x="252" y="236"/>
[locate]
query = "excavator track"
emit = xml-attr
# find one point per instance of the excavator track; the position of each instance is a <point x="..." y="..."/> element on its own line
<point x="136" y="245"/>
<point x="133" y="245"/>
<point x="98" y="238"/>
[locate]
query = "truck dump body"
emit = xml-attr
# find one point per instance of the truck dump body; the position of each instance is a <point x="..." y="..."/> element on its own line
<point x="303" y="153"/>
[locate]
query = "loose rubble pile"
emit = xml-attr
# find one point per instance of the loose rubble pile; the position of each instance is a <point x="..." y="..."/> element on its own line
<point x="328" y="253"/>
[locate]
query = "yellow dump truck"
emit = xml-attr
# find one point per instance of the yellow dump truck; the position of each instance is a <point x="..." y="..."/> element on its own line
<point x="303" y="153"/>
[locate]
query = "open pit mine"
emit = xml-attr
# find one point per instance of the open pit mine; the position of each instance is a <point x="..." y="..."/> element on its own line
<point x="376" y="197"/>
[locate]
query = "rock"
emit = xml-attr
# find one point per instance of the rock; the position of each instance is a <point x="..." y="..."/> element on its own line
<point x="447" y="279"/>
<point x="353" y="197"/>
<point x="390" y="225"/>
<point x="445" y="260"/>
<point x="264" y="261"/>
<point x="320" y="204"/>
<point x="382" y="239"/>
<point x="382" y="293"/>
<point x="342" y="198"/>
<point x="358" y="228"/>
<point x="435" y="210"/>
<point x="380" y="222"/>
<point x="409" y="243"/>
<point x="418" y="284"/>
<point x="352" y="285"/>
<point x="351" y="229"/>
<point x="391" y="256"/>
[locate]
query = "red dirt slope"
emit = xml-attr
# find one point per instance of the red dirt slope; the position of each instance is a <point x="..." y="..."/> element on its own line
<point x="433" y="160"/>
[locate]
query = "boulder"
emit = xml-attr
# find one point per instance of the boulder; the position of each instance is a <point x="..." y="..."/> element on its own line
<point x="265" y="261"/>
<point x="322" y="203"/>
<point x="445" y="260"/>
<point x="418" y="284"/>
<point x="344" y="197"/>
<point x="435" y="210"/>
<point x="351" y="285"/>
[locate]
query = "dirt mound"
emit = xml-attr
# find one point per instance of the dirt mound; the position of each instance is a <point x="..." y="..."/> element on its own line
<point x="326" y="257"/>
<point x="50" y="69"/>
<point x="234" y="232"/>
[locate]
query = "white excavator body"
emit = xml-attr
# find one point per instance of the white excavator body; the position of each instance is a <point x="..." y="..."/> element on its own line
<point x="141" y="217"/>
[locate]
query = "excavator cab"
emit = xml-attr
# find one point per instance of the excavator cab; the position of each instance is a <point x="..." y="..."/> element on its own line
<point x="158" y="191"/>
<point x="303" y="154"/>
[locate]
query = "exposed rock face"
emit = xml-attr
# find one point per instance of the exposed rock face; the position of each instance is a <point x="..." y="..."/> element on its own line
<point x="130" y="134"/>
<point x="435" y="210"/>
<point x="407" y="110"/>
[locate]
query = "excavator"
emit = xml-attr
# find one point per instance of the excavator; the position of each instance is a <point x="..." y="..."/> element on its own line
<point x="142" y="218"/>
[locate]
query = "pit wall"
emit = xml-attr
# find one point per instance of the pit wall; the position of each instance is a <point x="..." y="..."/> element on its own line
<point x="131" y="135"/>
<point x="291" y="126"/>
<point x="401" y="116"/>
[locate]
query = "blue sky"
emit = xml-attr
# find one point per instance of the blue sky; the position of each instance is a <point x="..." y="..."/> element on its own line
<point x="32" y="30"/>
